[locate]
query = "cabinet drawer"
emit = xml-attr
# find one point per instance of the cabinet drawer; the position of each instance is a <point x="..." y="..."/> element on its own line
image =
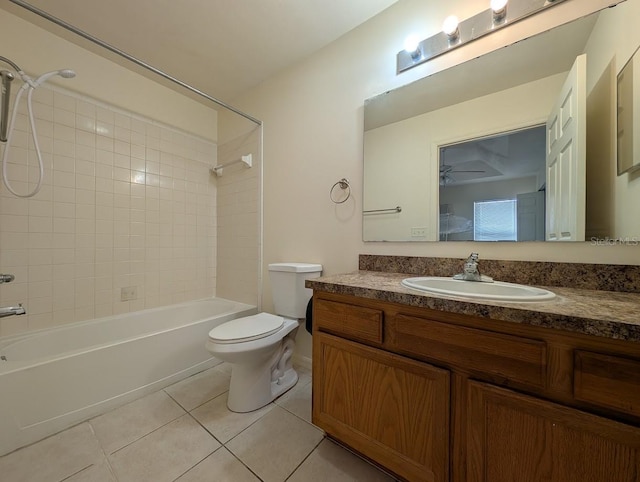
<point x="503" y="357"/>
<point x="350" y="321"/>
<point x="607" y="380"/>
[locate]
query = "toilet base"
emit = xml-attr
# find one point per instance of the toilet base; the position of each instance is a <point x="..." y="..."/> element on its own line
<point x="249" y="392"/>
<point x="255" y="385"/>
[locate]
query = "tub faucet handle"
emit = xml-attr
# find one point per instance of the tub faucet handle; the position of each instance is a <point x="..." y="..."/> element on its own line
<point x="6" y="278"/>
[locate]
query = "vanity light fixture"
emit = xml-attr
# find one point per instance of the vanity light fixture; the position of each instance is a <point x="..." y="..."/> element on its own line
<point x="455" y="33"/>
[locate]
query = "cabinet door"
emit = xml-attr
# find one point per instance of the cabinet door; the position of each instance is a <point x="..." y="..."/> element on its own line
<point x="389" y="408"/>
<point x="517" y="438"/>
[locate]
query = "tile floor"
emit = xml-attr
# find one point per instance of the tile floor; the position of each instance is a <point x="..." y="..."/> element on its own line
<point x="185" y="433"/>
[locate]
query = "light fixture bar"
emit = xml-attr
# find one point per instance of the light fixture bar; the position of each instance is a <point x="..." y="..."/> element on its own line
<point x="471" y="29"/>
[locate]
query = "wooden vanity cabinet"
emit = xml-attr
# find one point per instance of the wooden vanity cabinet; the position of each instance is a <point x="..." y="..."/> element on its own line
<point x="434" y="396"/>
<point x="513" y="437"/>
<point x="381" y="405"/>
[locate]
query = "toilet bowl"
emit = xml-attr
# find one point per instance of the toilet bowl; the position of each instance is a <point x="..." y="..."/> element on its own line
<point x="260" y="347"/>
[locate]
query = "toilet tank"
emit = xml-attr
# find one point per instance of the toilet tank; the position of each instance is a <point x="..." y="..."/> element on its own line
<point x="289" y="295"/>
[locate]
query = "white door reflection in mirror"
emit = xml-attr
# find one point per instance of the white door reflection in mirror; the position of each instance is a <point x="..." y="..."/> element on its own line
<point x="566" y="158"/>
<point x="531" y="216"/>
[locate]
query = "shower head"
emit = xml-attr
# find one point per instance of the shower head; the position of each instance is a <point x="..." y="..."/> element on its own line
<point x="65" y="73"/>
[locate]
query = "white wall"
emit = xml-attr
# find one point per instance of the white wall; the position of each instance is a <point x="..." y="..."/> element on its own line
<point x="239" y="219"/>
<point x="313" y="130"/>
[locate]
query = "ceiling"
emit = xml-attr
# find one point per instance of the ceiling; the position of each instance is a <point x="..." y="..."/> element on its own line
<point x="222" y="47"/>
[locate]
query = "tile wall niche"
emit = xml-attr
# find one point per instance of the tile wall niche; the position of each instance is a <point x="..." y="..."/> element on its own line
<point x="239" y="220"/>
<point x="126" y="202"/>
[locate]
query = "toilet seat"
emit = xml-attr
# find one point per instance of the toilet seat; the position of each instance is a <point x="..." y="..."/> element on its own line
<point x="246" y="329"/>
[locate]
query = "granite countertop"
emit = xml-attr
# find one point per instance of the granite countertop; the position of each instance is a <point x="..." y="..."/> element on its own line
<point x="609" y="314"/>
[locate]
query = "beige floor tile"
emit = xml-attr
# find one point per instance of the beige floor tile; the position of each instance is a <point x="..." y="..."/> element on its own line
<point x="275" y="445"/>
<point x="220" y="466"/>
<point x="164" y="454"/>
<point x="130" y="422"/>
<point x="200" y="388"/>
<point x="297" y="401"/>
<point x="329" y="462"/>
<point x="222" y="422"/>
<point x="54" y="458"/>
<point x="96" y="473"/>
<point x="304" y="375"/>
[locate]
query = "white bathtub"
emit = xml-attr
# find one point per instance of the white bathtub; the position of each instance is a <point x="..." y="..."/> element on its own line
<point x="55" y="378"/>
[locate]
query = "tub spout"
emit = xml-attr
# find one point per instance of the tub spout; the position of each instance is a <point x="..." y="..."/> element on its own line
<point x="12" y="310"/>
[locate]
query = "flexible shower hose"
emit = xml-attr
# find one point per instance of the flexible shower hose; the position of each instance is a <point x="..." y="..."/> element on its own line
<point x="5" y="154"/>
<point x="31" y="85"/>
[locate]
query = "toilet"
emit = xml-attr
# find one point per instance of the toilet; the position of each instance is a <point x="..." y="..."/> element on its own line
<point x="259" y="347"/>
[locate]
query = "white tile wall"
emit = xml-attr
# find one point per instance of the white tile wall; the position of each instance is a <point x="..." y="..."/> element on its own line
<point x="239" y="220"/>
<point x="125" y="202"/>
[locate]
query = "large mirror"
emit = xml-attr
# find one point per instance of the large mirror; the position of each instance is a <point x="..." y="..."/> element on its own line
<point x="464" y="154"/>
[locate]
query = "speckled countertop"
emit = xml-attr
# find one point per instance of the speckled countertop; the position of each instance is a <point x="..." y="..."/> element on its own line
<point x="609" y="314"/>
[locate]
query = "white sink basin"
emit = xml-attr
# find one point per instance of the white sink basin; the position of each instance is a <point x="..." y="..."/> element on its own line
<point x="496" y="290"/>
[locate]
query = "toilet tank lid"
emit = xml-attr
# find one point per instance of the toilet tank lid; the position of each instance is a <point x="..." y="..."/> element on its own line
<point x="296" y="267"/>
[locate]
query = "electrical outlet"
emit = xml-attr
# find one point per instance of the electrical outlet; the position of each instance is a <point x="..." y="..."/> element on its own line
<point x="129" y="293"/>
<point x="418" y="232"/>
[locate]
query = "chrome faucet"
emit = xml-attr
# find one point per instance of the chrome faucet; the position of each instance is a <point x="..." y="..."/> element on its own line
<point x="471" y="270"/>
<point x="12" y="310"/>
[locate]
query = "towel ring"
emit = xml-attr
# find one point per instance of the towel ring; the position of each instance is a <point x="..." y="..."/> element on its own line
<point x="344" y="185"/>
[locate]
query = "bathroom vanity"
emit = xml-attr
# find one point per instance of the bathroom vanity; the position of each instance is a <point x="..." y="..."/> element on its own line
<point x="439" y="389"/>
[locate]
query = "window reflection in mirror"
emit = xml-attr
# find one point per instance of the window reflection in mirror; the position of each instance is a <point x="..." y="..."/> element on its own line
<point x="492" y="188"/>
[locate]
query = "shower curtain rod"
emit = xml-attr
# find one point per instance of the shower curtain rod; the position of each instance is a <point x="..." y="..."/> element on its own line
<point x="131" y="58"/>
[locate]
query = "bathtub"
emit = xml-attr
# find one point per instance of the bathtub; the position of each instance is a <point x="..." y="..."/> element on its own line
<point x="52" y="379"/>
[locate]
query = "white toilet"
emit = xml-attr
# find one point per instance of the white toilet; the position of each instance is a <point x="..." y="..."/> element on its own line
<point x="260" y="347"/>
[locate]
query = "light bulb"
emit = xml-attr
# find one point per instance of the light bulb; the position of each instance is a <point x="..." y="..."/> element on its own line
<point x="498" y="5"/>
<point x="450" y="26"/>
<point x="499" y="8"/>
<point x="412" y="46"/>
<point x="411" y="43"/>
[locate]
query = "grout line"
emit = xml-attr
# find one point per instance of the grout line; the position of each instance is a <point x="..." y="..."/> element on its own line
<point x="304" y="459"/>
<point x="149" y="433"/>
<point x="206" y="430"/>
<point x="105" y="457"/>
<point x="77" y="472"/>
<point x="223" y="445"/>
<point x="239" y="460"/>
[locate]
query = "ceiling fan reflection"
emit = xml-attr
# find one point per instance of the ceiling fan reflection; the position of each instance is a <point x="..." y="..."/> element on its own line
<point x="446" y="174"/>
